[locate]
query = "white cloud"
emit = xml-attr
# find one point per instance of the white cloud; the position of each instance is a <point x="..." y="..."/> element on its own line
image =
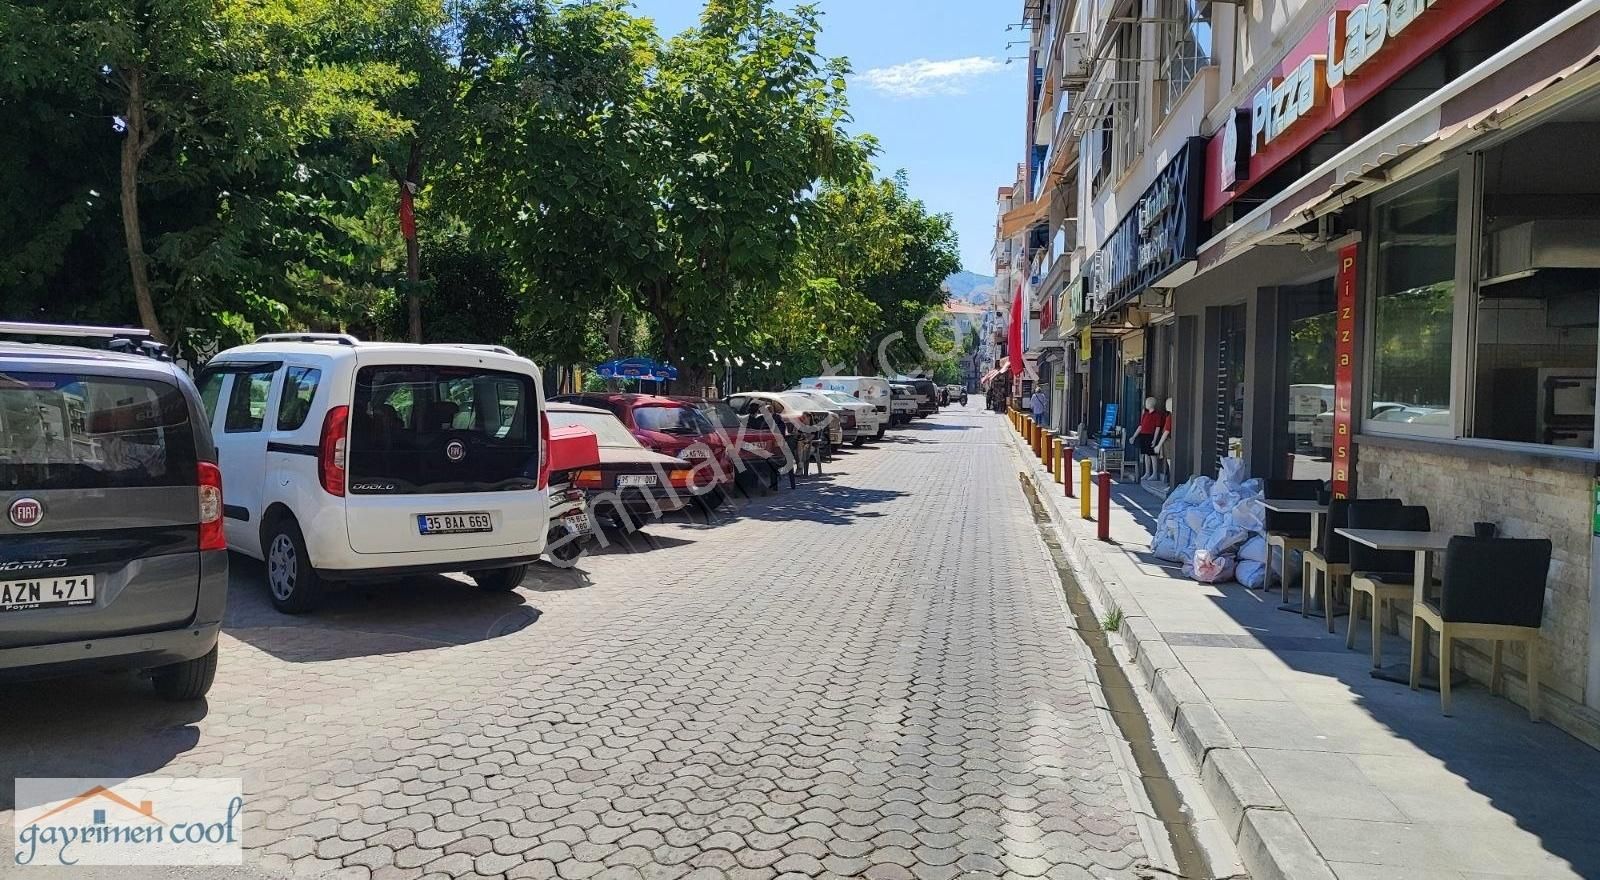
<point x="922" y="77"/>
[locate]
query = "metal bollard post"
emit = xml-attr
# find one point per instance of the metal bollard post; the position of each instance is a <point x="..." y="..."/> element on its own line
<point x="1105" y="506"/>
<point x="1052" y="444"/>
<point x="1067" y="476"/>
<point x="1084" y="467"/>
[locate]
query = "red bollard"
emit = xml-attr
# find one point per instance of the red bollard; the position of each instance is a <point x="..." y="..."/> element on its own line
<point x="1069" y="465"/>
<point x="1105" y="506"/>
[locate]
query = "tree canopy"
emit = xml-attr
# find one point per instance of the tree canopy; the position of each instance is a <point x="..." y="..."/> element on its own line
<point x="552" y="174"/>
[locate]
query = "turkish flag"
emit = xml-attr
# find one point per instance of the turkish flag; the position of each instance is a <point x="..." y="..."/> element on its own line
<point x="1014" y="337"/>
<point x="408" y="217"/>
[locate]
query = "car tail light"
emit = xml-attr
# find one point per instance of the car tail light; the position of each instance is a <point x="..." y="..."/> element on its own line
<point x="332" y="449"/>
<point x="544" y="450"/>
<point x="681" y="479"/>
<point x="587" y="479"/>
<point x="212" y="536"/>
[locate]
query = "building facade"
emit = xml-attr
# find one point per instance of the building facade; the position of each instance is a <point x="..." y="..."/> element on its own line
<point x="1356" y="242"/>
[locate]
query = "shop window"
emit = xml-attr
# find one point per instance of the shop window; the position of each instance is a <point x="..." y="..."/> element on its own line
<point x="1129" y="110"/>
<point x="1309" y="315"/>
<point x="1537" y="306"/>
<point x="1413" y="308"/>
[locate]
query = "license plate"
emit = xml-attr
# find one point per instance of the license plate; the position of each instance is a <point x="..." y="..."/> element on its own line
<point x="52" y="592"/>
<point x="453" y="523"/>
<point x="636" y="479"/>
<point x="579" y="522"/>
<point x="692" y="454"/>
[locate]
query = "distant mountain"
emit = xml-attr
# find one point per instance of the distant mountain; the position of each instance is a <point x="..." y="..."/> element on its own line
<point x="970" y="286"/>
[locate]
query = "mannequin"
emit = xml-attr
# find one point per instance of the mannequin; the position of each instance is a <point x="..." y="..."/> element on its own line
<point x="1144" y="439"/>
<point x="1163" y="444"/>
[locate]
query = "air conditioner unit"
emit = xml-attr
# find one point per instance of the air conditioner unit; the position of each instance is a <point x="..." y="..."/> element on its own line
<point x="1075" y="61"/>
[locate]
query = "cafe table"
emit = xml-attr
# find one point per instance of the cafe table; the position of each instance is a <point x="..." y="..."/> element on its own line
<point x="1302" y="506"/>
<point x="1422" y="546"/>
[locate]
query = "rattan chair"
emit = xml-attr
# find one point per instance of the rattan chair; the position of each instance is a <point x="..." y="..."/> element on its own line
<point x="1288" y="532"/>
<point x="1493" y="588"/>
<point x="1382" y="576"/>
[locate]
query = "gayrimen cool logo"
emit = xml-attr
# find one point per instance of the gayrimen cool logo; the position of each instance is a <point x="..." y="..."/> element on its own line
<point x="150" y="820"/>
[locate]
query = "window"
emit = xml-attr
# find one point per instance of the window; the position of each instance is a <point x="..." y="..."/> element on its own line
<point x="1413" y="308"/>
<point x="1128" y="108"/>
<point x="426" y="429"/>
<point x="1186" y="46"/>
<point x="1534" y="337"/>
<point x="671" y="420"/>
<point x="68" y="431"/>
<point x="247" y="401"/>
<point x="299" y="387"/>
<point x="1102" y="165"/>
<point x="210" y="390"/>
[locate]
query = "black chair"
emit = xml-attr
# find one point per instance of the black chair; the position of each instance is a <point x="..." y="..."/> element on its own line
<point x="1493" y="588"/>
<point x="1330" y="562"/>
<point x="1381" y="575"/>
<point x="1288" y="531"/>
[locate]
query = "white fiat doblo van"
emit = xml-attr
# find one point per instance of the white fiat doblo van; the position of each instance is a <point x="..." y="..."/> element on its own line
<point x="345" y="460"/>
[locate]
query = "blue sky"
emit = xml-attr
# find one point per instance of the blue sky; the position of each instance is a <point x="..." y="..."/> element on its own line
<point x="932" y="84"/>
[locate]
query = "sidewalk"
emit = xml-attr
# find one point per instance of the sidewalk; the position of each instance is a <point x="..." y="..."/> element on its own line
<point x="1319" y="770"/>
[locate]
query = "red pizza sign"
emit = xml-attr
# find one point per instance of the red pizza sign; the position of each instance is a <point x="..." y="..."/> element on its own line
<point x="1364" y="47"/>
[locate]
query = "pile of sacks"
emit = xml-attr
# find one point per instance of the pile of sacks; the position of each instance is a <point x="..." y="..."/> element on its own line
<point x="1216" y="528"/>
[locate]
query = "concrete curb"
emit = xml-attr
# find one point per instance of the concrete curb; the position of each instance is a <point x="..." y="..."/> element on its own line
<point x="1271" y="843"/>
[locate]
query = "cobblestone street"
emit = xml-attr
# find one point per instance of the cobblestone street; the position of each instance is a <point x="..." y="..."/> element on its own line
<point x="870" y="676"/>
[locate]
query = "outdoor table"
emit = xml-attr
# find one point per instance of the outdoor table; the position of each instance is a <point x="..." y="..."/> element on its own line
<point x="1423" y="545"/>
<point x="1302" y="506"/>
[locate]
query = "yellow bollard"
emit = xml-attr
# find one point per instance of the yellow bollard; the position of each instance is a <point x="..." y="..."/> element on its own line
<point x="1084" y="468"/>
<point x="1050" y="454"/>
<point x="1055" y="459"/>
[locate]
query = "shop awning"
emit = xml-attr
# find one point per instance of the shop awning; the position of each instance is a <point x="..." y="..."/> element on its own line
<point x="1549" y="65"/>
<point x="1014" y="221"/>
<point x="998" y="369"/>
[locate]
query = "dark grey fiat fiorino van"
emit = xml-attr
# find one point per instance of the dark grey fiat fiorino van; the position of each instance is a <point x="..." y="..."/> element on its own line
<point x="112" y="553"/>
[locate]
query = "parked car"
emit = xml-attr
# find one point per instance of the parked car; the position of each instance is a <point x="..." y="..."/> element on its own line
<point x="927" y="395"/>
<point x="809" y="421"/>
<point x="571" y="448"/>
<point x="346" y="460"/>
<point x="112" y="552"/>
<point x="903" y="404"/>
<point x="957" y="393"/>
<point x="858" y="420"/>
<point x="632" y="483"/>
<point x="672" y="427"/>
<point x="749" y="443"/>
<point x="870" y="389"/>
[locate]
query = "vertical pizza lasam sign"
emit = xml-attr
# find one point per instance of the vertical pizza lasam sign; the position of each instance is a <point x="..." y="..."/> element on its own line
<point x="1344" y="354"/>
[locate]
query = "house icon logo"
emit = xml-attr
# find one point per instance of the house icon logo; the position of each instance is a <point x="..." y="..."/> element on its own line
<point x="144" y="809"/>
<point x="143" y="820"/>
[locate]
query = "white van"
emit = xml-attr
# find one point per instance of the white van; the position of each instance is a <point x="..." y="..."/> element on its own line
<point x="868" y="389"/>
<point x="346" y="460"/>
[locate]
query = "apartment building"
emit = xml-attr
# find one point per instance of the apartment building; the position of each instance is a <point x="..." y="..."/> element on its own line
<point x="1353" y="241"/>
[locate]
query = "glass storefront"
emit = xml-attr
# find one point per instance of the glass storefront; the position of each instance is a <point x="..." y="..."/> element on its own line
<point x="1413" y="306"/>
<point x="1308" y="340"/>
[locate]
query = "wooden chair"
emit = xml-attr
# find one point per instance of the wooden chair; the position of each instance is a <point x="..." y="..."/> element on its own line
<point x="1382" y="576"/>
<point x="1329" y="565"/>
<point x="1493" y="588"/>
<point x="1288" y="532"/>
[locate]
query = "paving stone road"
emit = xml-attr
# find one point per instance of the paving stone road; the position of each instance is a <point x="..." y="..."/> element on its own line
<point x="870" y="676"/>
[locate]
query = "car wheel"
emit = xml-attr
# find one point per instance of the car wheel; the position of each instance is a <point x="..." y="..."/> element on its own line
<point x="499" y="580"/>
<point x="189" y="680"/>
<point x="858" y="441"/>
<point x="563" y="547"/>
<point x="882" y="430"/>
<point x="292" y="584"/>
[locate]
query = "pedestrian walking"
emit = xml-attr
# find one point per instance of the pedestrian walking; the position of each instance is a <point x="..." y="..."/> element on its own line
<point x="1037" y="403"/>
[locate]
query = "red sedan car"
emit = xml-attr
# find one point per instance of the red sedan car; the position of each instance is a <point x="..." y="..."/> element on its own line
<point x="671" y="427"/>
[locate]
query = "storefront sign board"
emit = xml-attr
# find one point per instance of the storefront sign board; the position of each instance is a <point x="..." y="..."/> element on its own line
<point x="1363" y="47"/>
<point x="1344" y="369"/>
<point x="1159" y="234"/>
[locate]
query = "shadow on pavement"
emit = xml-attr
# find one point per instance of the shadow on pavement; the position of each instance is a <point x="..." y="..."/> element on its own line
<point x="819" y="499"/>
<point x="381" y="617"/>
<point x="138" y="733"/>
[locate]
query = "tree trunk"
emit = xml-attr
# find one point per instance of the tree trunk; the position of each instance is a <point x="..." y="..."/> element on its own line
<point x="134" y="147"/>
<point x="614" y="343"/>
<point x="413" y="249"/>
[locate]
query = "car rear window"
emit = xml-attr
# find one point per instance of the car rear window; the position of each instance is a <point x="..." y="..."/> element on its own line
<point x="607" y="430"/>
<point x="671" y="420"/>
<point x="438" y="429"/>
<point x="69" y="431"/>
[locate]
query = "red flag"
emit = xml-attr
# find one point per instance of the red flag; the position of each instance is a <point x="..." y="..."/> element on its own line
<point x="1014" y="337"/>
<point x="408" y="218"/>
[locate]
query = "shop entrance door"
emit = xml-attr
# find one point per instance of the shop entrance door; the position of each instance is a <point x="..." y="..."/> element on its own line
<point x="1302" y="443"/>
<point x="1228" y="440"/>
